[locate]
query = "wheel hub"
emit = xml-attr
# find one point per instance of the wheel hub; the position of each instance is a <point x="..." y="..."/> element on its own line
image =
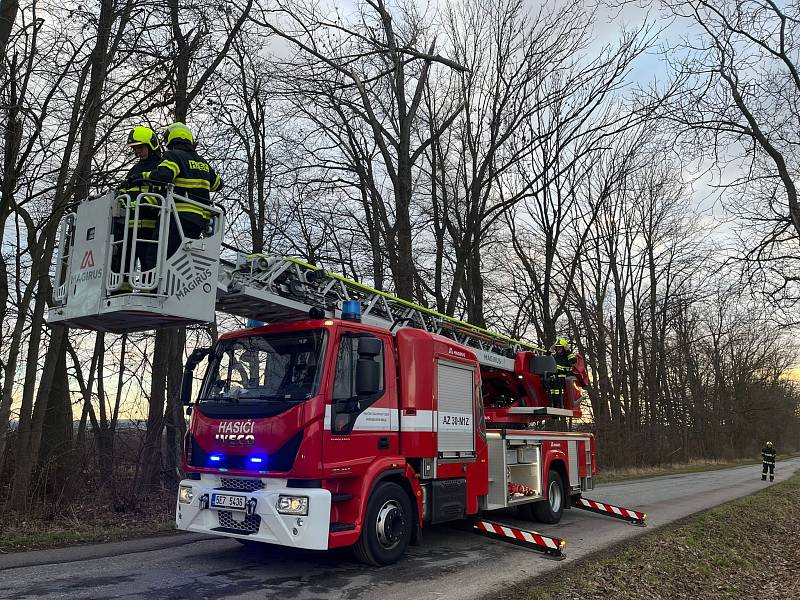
<point x="391" y="524"/>
<point x="554" y="495"/>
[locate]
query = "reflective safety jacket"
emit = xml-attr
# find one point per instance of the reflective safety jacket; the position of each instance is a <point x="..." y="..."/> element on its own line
<point x="564" y="362"/>
<point x="133" y="186"/>
<point x="191" y="174"/>
<point x="768" y="455"/>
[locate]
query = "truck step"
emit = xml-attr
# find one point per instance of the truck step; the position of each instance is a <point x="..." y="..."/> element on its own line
<point x="339" y="526"/>
<point x="633" y="517"/>
<point x="341" y="497"/>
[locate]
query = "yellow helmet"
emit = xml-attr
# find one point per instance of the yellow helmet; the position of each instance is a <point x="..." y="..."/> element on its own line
<point x="177" y="131"/>
<point x="562" y="342"/>
<point x="769" y="444"/>
<point x="143" y="136"/>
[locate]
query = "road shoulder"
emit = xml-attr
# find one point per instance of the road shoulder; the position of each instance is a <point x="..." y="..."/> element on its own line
<point x="53" y="556"/>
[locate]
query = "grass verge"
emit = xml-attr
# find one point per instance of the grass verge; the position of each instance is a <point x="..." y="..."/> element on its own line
<point x="693" y="466"/>
<point x="746" y="548"/>
<point x="56" y="537"/>
<point x="85" y="524"/>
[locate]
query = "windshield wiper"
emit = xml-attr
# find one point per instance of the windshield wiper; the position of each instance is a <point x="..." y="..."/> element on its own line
<point x="230" y="399"/>
<point x="277" y="399"/>
<point x="259" y="398"/>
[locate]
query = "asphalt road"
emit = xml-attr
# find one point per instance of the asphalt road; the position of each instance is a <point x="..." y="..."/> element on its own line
<point x="448" y="564"/>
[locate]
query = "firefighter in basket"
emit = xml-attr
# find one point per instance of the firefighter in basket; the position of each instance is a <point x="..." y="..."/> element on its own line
<point x="193" y="178"/>
<point x="565" y="361"/>
<point x="144" y="143"/>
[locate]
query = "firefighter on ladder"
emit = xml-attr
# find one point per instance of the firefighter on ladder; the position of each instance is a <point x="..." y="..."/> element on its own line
<point x="144" y="143"/>
<point x="768" y="462"/>
<point x="192" y="176"/>
<point x="565" y="360"/>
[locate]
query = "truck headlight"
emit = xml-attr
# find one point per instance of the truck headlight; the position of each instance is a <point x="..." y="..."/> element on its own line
<point x="185" y="494"/>
<point x="292" y="505"/>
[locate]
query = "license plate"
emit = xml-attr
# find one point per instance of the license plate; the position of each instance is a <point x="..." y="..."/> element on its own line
<point x="225" y="501"/>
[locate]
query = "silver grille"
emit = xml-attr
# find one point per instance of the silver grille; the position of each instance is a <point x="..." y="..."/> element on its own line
<point x="250" y="523"/>
<point x="241" y="485"/>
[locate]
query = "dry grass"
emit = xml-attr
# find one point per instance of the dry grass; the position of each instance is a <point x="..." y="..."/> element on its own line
<point x="743" y="549"/>
<point x="96" y="520"/>
<point x="693" y="466"/>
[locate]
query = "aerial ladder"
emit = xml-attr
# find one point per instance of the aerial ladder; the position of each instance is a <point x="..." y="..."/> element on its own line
<point x="102" y="283"/>
<point x="99" y="284"/>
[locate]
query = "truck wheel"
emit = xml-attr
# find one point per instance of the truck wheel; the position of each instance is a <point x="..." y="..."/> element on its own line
<point x="387" y="526"/>
<point x="551" y="509"/>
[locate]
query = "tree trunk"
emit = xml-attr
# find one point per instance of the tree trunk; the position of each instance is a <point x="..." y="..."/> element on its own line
<point x="8" y="14"/>
<point x="32" y="416"/>
<point x="404" y="273"/>
<point x="150" y="458"/>
<point x="104" y="437"/>
<point x="474" y="295"/>
<point x="175" y="423"/>
<point x="57" y="431"/>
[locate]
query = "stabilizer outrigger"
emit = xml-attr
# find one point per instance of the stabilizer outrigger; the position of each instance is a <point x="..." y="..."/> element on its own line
<point x="634" y="517"/>
<point x="552" y="547"/>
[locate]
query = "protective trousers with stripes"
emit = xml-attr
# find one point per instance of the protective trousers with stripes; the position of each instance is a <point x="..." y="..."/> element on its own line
<point x="192" y="225"/>
<point x="145" y="251"/>
<point x="557" y="391"/>
<point x="771" y="467"/>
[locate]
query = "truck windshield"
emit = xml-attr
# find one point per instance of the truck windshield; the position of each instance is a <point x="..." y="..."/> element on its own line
<point x="266" y="368"/>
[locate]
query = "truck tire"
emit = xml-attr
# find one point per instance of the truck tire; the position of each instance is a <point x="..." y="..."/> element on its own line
<point x="525" y="511"/>
<point x="551" y="509"/>
<point x="388" y="524"/>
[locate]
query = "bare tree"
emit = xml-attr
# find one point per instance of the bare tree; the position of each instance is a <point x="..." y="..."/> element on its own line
<point x="376" y="64"/>
<point x="581" y="118"/>
<point x="741" y="102"/>
<point x="194" y="57"/>
<point x="112" y="22"/>
<point x="510" y="57"/>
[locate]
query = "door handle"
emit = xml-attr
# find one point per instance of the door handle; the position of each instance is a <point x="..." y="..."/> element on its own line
<point x="383" y="443"/>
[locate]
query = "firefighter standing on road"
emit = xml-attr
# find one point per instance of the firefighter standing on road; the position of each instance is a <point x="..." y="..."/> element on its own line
<point x="565" y="359"/>
<point x="192" y="176"/>
<point x="768" y="461"/>
<point x="144" y="143"/>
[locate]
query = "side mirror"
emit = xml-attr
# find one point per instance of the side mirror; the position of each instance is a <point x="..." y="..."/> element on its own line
<point x="369" y="347"/>
<point x="186" y="387"/>
<point x="194" y="359"/>
<point x="368" y="377"/>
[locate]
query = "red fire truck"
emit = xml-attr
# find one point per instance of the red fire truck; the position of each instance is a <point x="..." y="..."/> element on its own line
<point x="354" y="418"/>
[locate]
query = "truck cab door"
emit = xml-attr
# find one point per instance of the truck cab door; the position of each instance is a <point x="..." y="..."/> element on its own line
<point x="361" y="418"/>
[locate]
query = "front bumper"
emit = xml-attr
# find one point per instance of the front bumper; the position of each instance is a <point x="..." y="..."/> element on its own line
<point x="264" y="524"/>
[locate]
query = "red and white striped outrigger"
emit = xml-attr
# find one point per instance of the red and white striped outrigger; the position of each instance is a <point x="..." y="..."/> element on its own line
<point x="632" y="516"/>
<point x="551" y="546"/>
